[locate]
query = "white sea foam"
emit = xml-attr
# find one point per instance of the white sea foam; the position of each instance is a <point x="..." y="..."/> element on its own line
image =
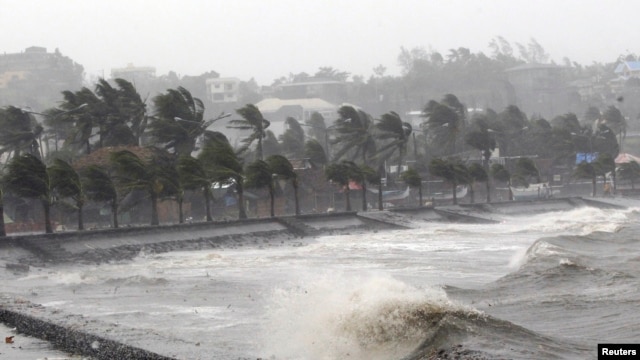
<point x="337" y="316"/>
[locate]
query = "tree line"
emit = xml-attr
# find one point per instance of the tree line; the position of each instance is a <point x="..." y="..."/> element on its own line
<point x="166" y="150"/>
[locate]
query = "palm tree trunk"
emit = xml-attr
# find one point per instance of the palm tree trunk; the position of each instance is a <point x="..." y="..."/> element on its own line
<point x="80" y="217"/>
<point x="207" y="202"/>
<point x="295" y="195"/>
<point x="114" y="211"/>
<point x="272" y="201"/>
<point x="420" y="194"/>
<point x="347" y="198"/>
<point x="46" y="205"/>
<point x="488" y="185"/>
<point x="242" y="213"/>
<point x="180" y="210"/>
<point x="364" y="196"/>
<point x="380" y="205"/>
<point x="472" y="194"/>
<point x="593" y="183"/>
<point x="154" y="209"/>
<point x="455" y="194"/>
<point x="3" y="231"/>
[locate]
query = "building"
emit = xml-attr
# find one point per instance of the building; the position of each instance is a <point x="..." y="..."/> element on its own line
<point x="539" y="88"/>
<point x="35" y="78"/>
<point x="134" y="74"/>
<point x="628" y="69"/>
<point x="278" y="110"/>
<point x="329" y="90"/>
<point x="223" y="90"/>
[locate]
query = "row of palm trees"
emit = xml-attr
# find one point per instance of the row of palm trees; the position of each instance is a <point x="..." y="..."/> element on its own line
<point x="154" y="151"/>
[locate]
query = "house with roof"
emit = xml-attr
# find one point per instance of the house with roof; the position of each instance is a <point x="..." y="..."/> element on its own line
<point x="628" y="69"/>
<point x="278" y="110"/>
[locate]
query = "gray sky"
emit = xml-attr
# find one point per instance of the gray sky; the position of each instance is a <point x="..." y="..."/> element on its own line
<point x="266" y="39"/>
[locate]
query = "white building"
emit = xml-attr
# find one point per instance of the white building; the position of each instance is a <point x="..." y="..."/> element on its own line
<point x="223" y="90"/>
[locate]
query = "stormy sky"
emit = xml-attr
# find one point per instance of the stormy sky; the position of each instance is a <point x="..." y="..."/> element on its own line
<point x="270" y="39"/>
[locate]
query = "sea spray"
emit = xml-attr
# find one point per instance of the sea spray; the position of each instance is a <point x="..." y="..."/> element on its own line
<point x="335" y="315"/>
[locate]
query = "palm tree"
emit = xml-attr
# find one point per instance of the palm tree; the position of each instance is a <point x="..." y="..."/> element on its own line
<point x="442" y="124"/>
<point x="500" y="173"/>
<point x="27" y="176"/>
<point x="586" y="170"/>
<point x="451" y="170"/>
<point x="67" y="183"/>
<point x="413" y="179"/>
<point x="84" y="121"/>
<point x="604" y="165"/>
<point x="152" y="176"/>
<point x="396" y="133"/>
<point x="178" y="121"/>
<point x="629" y="171"/>
<point x="224" y="166"/>
<point x="314" y="152"/>
<point x="354" y="134"/>
<point x="481" y="139"/>
<point x="20" y="132"/>
<point x="340" y="174"/>
<point x="101" y="186"/>
<point x="477" y="173"/>
<point x="282" y="167"/>
<point x="194" y="176"/>
<point x="293" y="138"/>
<point x="526" y="169"/>
<point x="260" y="175"/>
<point x="252" y="120"/>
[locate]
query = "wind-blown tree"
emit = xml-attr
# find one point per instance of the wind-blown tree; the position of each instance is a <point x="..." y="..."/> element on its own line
<point x="586" y="170"/>
<point x="193" y="175"/>
<point x="20" y="132"/>
<point x="374" y="177"/>
<point x="153" y="176"/>
<point x="605" y="164"/>
<point x="605" y="142"/>
<point x="293" y="138"/>
<point x="442" y="125"/>
<point x="270" y="145"/>
<point x="282" y="168"/>
<point x="395" y="135"/>
<point x="452" y="171"/>
<point x="178" y="121"/>
<point x="354" y="135"/>
<point x="252" y="120"/>
<point x="477" y="173"/>
<point x="526" y="169"/>
<point x="315" y="153"/>
<point x="260" y="175"/>
<point x="500" y="173"/>
<point x="481" y="139"/>
<point x="119" y="112"/>
<point x="84" y="121"/>
<point x="413" y="179"/>
<point x="340" y="174"/>
<point x="27" y="177"/>
<point x="67" y="183"/>
<point x="629" y="171"/>
<point x="512" y="123"/>
<point x="100" y="186"/>
<point x="224" y="166"/>
<point x="318" y="130"/>
<point x="614" y="120"/>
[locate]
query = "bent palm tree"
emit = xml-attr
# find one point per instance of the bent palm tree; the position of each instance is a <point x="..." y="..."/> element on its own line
<point x="67" y="183"/>
<point x="282" y="167"/>
<point x="252" y="120"/>
<point x="354" y="134"/>
<point x="100" y="186"/>
<point x="27" y="176"/>
<point x="259" y="175"/>
<point x="194" y="176"/>
<point x="397" y="135"/>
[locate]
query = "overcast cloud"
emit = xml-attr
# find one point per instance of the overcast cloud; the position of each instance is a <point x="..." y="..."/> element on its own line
<point x="269" y="39"/>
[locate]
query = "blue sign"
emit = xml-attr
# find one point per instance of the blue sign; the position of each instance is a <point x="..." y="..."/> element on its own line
<point x="586" y="157"/>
